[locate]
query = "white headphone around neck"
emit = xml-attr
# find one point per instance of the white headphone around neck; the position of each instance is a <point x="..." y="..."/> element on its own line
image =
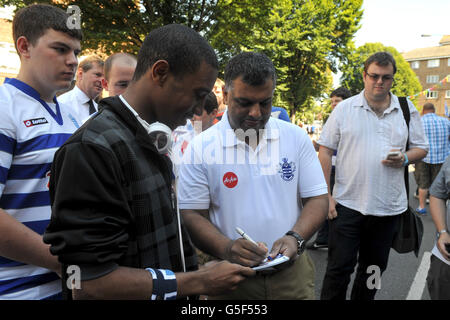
<point x="160" y="134"/>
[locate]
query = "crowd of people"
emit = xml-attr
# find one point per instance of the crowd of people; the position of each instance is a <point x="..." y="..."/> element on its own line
<point x="143" y="191"/>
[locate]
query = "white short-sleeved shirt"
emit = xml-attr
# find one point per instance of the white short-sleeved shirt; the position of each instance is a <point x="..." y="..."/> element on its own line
<point x="30" y="134"/>
<point x="362" y="141"/>
<point x="257" y="190"/>
<point x="181" y="137"/>
<point x="77" y="104"/>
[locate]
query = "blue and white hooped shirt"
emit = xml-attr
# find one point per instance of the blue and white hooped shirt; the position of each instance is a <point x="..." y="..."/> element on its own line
<point x="30" y="133"/>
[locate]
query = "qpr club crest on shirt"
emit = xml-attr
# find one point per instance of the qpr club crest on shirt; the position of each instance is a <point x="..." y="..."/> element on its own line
<point x="286" y="169"/>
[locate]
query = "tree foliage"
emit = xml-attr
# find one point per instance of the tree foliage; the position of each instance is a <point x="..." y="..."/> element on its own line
<point x="304" y="38"/>
<point x="118" y="25"/>
<point x="405" y="83"/>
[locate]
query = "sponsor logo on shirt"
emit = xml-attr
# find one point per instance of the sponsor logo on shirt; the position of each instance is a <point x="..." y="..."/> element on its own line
<point x="47" y="175"/>
<point x="184" y="146"/>
<point x="230" y="180"/>
<point x="35" y="122"/>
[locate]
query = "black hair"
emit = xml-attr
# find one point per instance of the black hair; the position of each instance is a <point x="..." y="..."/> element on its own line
<point x="34" y="20"/>
<point x="254" y="67"/>
<point x="381" y="58"/>
<point x="182" y="47"/>
<point x="210" y="103"/>
<point x="342" y="92"/>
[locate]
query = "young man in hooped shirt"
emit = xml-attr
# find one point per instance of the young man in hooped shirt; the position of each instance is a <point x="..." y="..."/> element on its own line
<point x="32" y="127"/>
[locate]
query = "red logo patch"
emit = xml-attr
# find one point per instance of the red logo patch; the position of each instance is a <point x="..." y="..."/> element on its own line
<point x="47" y="175"/>
<point x="230" y="180"/>
<point x="35" y="122"/>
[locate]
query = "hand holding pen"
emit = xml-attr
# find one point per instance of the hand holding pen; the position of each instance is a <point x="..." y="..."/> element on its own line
<point x="246" y="251"/>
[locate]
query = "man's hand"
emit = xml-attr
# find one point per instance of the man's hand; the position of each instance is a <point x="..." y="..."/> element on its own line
<point x="222" y="277"/>
<point x="245" y="253"/>
<point x="286" y="245"/>
<point x="332" y="213"/>
<point x="444" y="238"/>
<point x="394" y="161"/>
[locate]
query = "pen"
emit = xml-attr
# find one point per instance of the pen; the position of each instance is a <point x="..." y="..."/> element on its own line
<point x="245" y="236"/>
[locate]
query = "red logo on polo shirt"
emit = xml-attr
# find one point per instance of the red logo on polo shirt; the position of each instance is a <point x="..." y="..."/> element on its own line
<point x="230" y="180"/>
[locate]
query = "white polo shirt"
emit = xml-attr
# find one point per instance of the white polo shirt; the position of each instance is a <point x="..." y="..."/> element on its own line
<point x="257" y="190"/>
<point x="362" y="141"/>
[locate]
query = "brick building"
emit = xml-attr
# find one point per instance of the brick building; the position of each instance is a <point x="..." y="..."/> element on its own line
<point x="9" y="59"/>
<point x="432" y="66"/>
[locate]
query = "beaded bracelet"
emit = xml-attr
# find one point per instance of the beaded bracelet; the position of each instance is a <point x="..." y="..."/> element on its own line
<point x="164" y="284"/>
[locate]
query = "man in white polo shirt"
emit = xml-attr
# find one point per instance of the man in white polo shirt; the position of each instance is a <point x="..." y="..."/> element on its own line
<point x="369" y="191"/>
<point x="257" y="173"/>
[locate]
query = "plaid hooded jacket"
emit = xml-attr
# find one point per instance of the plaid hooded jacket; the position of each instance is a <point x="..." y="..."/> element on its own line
<point x="112" y="199"/>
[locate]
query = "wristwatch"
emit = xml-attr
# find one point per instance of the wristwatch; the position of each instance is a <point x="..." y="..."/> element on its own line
<point x="438" y="234"/>
<point x="300" y="241"/>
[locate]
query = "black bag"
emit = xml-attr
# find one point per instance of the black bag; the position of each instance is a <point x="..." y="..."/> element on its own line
<point x="410" y="229"/>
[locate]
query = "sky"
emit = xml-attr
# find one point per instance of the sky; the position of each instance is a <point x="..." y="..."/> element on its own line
<point x="400" y="23"/>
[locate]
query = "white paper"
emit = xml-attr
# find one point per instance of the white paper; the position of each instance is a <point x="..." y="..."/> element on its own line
<point x="266" y="264"/>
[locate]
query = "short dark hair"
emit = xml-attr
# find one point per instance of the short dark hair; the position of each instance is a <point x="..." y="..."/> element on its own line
<point x="34" y="20"/>
<point x="254" y="67"/>
<point x="119" y="55"/>
<point x="342" y="92"/>
<point x="211" y="103"/>
<point x="381" y="58"/>
<point x="182" y="47"/>
<point x="429" y="107"/>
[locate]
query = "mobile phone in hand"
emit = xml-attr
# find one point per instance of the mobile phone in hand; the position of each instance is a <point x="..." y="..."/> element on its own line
<point x="393" y="154"/>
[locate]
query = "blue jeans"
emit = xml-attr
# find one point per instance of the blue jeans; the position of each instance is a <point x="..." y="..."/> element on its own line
<point x="354" y="238"/>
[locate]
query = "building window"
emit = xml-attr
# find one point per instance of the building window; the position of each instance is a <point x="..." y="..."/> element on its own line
<point x="433" y="63"/>
<point x="432" y="94"/>
<point x="415" y="64"/>
<point x="432" y="79"/>
<point x="448" y="62"/>
<point x="447" y="94"/>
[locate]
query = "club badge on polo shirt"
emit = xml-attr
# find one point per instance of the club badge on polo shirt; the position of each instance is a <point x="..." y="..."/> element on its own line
<point x="286" y="169"/>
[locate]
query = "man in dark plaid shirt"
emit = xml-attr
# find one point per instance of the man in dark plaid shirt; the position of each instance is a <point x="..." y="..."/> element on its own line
<point x="113" y="213"/>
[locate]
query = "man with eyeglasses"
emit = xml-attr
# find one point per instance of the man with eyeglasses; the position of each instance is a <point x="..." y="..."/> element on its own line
<point x="369" y="192"/>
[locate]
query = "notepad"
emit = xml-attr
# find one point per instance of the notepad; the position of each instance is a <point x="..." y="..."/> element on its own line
<point x="267" y="264"/>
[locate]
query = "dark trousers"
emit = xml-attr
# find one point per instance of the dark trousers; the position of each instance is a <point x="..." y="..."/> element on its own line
<point x="356" y="238"/>
<point x="438" y="279"/>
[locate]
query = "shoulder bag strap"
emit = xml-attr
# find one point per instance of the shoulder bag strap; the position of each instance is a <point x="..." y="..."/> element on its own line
<point x="407" y="116"/>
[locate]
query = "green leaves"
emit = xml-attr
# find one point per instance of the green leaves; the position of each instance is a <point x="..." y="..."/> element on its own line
<point x="304" y="38"/>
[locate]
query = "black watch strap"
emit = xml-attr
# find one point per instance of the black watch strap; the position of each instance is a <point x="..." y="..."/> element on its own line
<point x="300" y="241"/>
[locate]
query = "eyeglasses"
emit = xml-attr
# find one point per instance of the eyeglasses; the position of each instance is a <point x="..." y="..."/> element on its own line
<point x="385" y="77"/>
